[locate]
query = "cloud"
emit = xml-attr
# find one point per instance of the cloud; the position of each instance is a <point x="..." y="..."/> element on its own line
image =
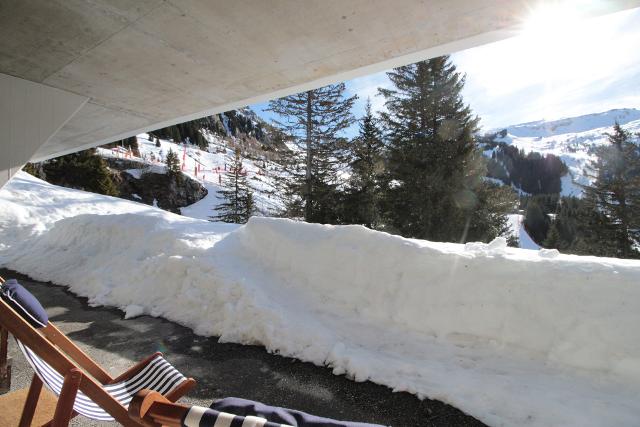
<point x="585" y="67"/>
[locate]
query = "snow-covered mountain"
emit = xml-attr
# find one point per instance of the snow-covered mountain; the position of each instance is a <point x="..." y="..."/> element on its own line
<point x="571" y="139"/>
<point x="574" y="125"/>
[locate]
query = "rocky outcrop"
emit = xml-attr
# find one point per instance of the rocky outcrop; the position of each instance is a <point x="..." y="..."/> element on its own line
<point x="152" y="186"/>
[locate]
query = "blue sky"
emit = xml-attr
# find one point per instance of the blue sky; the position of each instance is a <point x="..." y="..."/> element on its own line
<point x="557" y="67"/>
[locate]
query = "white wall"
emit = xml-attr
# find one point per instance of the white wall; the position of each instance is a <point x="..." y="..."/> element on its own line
<point x="30" y="114"/>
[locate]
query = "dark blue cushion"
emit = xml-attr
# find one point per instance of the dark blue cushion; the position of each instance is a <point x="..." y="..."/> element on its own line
<point x="274" y="414"/>
<point x="22" y="301"/>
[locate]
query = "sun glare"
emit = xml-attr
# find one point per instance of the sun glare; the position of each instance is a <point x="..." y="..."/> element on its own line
<point x="561" y="56"/>
<point x="551" y="19"/>
<point x="558" y="39"/>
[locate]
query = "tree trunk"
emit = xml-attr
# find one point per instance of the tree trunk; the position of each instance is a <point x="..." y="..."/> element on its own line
<point x="308" y="208"/>
<point x="624" y="224"/>
<point x="236" y="190"/>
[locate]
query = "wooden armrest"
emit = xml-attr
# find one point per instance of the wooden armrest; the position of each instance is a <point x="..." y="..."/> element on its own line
<point x="135" y="369"/>
<point x="152" y="409"/>
<point x="54" y="335"/>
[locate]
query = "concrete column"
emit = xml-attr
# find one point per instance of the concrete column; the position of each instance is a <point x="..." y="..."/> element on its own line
<point x="30" y="114"/>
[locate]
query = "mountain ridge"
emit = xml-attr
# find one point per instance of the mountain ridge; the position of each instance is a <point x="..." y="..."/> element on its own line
<point x="574" y="124"/>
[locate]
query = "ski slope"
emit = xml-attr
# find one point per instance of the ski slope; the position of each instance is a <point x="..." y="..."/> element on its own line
<point x="513" y="337"/>
<point x="571" y="139"/>
<point x="207" y="167"/>
<point x="517" y="229"/>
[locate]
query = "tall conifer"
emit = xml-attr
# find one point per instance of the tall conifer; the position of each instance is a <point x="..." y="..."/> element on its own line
<point x="614" y="196"/>
<point x="361" y="201"/>
<point x="237" y="206"/>
<point x="435" y="187"/>
<point x="315" y="119"/>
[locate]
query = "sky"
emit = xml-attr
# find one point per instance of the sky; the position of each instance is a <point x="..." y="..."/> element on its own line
<point x="558" y="66"/>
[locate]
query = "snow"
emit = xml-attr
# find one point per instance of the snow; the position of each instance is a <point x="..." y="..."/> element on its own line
<point x="152" y="168"/>
<point x="578" y="124"/>
<point x="136" y="173"/>
<point x="513" y="337"/>
<point x="495" y="181"/>
<point x="203" y="166"/>
<point x="517" y="228"/>
<point x="569" y="188"/>
<point x="133" y="310"/>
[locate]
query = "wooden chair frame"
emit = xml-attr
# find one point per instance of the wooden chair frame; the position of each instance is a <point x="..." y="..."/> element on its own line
<point x="151" y="409"/>
<point x="80" y="372"/>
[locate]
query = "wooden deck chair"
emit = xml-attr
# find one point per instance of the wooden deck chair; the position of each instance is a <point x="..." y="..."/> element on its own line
<point x="82" y="386"/>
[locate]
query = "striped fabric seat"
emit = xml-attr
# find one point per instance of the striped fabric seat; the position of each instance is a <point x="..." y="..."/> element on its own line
<point x="205" y="417"/>
<point x="158" y="375"/>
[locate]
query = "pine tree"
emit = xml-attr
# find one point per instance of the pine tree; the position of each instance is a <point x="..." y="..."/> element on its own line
<point x="175" y="134"/>
<point x="238" y="205"/>
<point x="435" y="187"/>
<point x="553" y="239"/>
<point x="173" y="164"/>
<point x="315" y="119"/>
<point x="536" y="221"/>
<point x="249" y="206"/>
<point x="614" y="195"/>
<point x="361" y="201"/>
<point x="85" y="170"/>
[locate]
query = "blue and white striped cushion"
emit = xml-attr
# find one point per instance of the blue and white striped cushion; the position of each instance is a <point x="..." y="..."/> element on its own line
<point x="205" y="417"/>
<point x="158" y="375"/>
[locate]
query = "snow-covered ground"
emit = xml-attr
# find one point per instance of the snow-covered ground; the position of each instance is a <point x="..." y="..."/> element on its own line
<point x="207" y="167"/>
<point x="571" y="139"/>
<point x="514" y="337"/>
<point x="517" y="228"/>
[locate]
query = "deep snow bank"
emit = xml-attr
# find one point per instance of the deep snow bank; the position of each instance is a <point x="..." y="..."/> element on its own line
<point x="568" y="309"/>
<point x="513" y="337"/>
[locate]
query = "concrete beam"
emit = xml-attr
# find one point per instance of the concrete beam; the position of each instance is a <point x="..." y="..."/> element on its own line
<point x="146" y="64"/>
<point x="30" y="114"/>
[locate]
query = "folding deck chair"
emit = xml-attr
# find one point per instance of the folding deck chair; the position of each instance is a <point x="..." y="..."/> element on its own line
<point x="82" y="386"/>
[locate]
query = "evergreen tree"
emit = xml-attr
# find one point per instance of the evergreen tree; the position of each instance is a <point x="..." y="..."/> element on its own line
<point x="315" y="119"/>
<point x="361" y="201"/>
<point x="435" y="186"/>
<point x="553" y="239"/>
<point x="249" y="207"/>
<point x="35" y="169"/>
<point x="614" y="196"/>
<point x="175" y="134"/>
<point x="173" y="165"/>
<point x="238" y="205"/>
<point x="536" y="221"/>
<point x="84" y="170"/>
<point x="531" y="172"/>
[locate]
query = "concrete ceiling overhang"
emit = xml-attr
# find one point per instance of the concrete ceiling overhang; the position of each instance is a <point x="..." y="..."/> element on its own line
<point x="145" y="64"/>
